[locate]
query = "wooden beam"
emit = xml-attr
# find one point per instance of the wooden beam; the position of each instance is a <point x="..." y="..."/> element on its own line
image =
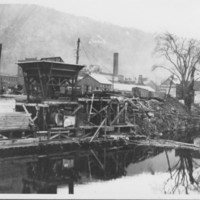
<point x="118" y="115"/>
<point x="77" y="109"/>
<point x="103" y="109"/>
<point x="54" y="102"/>
<point x="95" y="110"/>
<point x="97" y="131"/>
<point x="109" y="127"/>
<point x="89" y="99"/>
<point x="31" y="104"/>
<point x="28" y="113"/>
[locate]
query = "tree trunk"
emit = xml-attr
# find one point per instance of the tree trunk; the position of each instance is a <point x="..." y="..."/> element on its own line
<point x="189" y="95"/>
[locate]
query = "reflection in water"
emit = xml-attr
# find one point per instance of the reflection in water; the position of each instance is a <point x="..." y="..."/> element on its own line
<point x="182" y="174"/>
<point x="45" y="174"/>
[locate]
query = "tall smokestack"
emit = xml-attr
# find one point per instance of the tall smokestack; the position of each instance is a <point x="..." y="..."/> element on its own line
<point x="115" y="64"/>
<point x="140" y="80"/>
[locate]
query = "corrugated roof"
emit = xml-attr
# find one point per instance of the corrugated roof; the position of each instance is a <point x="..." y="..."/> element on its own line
<point x="128" y="87"/>
<point x="100" y="78"/>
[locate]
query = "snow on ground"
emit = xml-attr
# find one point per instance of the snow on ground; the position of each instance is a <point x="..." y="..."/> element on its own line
<point x="143" y="186"/>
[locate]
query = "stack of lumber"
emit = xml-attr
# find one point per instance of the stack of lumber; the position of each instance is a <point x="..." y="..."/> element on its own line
<point x="7" y="105"/>
<point x="164" y="143"/>
<point x="18" y="98"/>
<point x="14" y="121"/>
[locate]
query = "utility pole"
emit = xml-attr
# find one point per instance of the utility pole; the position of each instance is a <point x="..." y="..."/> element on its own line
<point x="1" y="83"/>
<point x="171" y="82"/>
<point x="77" y="50"/>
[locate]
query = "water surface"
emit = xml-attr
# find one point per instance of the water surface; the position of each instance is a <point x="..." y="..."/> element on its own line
<point x="132" y="171"/>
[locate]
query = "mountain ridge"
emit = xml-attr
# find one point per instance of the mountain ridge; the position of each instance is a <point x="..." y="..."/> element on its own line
<point x="36" y="31"/>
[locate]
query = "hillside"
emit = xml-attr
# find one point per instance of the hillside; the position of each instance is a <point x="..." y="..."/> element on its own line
<point x="34" y="31"/>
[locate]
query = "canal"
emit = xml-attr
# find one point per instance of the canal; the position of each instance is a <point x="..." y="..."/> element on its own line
<point x="114" y="172"/>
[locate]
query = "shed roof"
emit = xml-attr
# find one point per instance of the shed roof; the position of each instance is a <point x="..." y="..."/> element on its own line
<point x="56" y="59"/>
<point x="58" y="68"/>
<point x="100" y="78"/>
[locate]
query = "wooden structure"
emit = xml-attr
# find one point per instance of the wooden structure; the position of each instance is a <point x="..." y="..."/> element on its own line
<point x="48" y="79"/>
<point x="14" y="121"/>
<point x="47" y="173"/>
<point x="94" y="82"/>
<point x="10" y="120"/>
<point x="51" y="94"/>
<point x="105" y="116"/>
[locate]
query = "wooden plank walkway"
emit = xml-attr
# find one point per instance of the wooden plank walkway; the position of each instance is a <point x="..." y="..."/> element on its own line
<point x="32" y="146"/>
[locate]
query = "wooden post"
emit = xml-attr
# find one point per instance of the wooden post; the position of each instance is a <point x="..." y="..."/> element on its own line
<point x="48" y="135"/>
<point x="48" y="82"/>
<point x="91" y="105"/>
<point x="118" y="130"/>
<point x="44" y="118"/>
<point x="117" y="164"/>
<point x="26" y="84"/>
<point x="41" y="83"/>
<point x="100" y="118"/>
<point x="28" y="88"/>
<point x="89" y="167"/>
<point x="118" y="112"/>
<point x="87" y="108"/>
<point x="104" y="162"/>
<point x="105" y="126"/>
<point x="75" y="84"/>
<point x="125" y="113"/>
<point x="71" y="186"/>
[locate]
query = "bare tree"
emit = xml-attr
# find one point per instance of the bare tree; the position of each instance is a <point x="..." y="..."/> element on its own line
<point x="183" y="56"/>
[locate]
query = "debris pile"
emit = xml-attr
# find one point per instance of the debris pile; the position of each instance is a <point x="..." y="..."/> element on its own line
<point x="158" y="117"/>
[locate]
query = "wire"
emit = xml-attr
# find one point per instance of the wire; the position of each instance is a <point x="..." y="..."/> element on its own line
<point x="93" y="56"/>
<point x="85" y="53"/>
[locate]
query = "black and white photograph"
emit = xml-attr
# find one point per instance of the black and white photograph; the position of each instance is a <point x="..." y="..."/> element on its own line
<point x="99" y="99"/>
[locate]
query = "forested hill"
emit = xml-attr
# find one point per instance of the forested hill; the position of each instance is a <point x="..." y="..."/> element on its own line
<point x="33" y="31"/>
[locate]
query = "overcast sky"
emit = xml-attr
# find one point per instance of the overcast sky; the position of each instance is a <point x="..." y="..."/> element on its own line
<point x="181" y="17"/>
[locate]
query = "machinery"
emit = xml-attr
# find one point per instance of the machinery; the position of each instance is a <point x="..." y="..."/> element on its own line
<point x="51" y="87"/>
